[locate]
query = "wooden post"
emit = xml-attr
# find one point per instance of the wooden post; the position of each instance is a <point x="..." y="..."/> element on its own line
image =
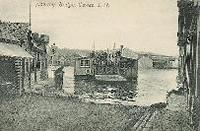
<point x="132" y="69"/>
<point x="45" y="66"/>
<point x="40" y="60"/>
<point x="198" y="60"/>
<point x="75" y="66"/>
<point x="35" y="69"/>
<point x="23" y="74"/>
<point x="29" y="73"/>
<point x="20" y="77"/>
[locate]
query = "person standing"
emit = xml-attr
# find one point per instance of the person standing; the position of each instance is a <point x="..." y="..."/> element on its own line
<point x="59" y="78"/>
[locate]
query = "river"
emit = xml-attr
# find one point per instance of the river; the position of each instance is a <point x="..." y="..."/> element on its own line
<point x="151" y="87"/>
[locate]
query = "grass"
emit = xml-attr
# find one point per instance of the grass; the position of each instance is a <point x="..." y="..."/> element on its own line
<point x="174" y="117"/>
<point x="34" y="112"/>
<point x="167" y="120"/>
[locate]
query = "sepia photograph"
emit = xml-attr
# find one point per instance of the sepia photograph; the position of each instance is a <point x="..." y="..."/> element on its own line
<point x="99" y="65"/>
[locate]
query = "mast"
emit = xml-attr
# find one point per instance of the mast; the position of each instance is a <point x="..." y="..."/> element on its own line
<point x="29" y="15"/>
<point x="29" y="27"/>
<point x="93" y="46"/>
<point x="114" y="46"/>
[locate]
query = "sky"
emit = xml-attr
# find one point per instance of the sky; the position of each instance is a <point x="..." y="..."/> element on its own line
<point x="141" y="25"/>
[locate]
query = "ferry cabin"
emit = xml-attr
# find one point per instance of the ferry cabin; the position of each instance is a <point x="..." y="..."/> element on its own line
<point x="107" y="64"/>
<point x="84" y="67"/>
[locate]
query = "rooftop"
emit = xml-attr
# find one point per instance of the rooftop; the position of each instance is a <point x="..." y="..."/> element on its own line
<point x="13" y="50"/>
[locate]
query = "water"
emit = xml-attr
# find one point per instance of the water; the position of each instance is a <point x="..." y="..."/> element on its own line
<point x="151" y="87"/>
<point x="154" y="84"/>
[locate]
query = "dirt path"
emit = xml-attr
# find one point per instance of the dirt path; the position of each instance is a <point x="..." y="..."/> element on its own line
<point x="172" y="118"/>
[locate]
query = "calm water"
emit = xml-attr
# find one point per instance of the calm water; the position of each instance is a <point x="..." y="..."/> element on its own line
<point x="151" y="87"/>
<point x="154" y="84"/>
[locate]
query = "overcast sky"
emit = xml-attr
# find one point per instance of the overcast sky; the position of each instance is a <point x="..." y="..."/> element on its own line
<point x="142" y="25"/>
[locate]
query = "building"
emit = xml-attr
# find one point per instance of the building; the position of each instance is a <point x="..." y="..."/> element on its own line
<point x="55" y="57"/>
<point x="164" y="62"/>
<point x="148" y="60"/>
<point x="175" y="63"/>
<point x="189" y="54"/>
<point x="145" y="62"/>
<point x="14" y="67"/>
<point x="24" y="52"/>
<point x="160" y="62"/>
<point x="115" y="62"/>
<point x="128" y="61"/>
<point x="84" y="66"/>
<point x="39" y="64"/>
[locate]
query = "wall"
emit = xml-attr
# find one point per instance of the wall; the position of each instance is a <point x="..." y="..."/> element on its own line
<point x="145" y="63"/>
<point x="160" y="64"/>
<point x="131" y="70"/>
<point x="189" y="27"/>
<point x="106" y="70"/>
<point x="17" y="33"/>
<point x="8" y="76"/>
<point x="22" y="69"/>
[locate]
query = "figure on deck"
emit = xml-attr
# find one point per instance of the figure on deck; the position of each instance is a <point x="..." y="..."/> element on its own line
<point x="59" y="78"/>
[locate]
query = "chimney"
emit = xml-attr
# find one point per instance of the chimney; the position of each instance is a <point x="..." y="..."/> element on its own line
<point x="121" y="48"/>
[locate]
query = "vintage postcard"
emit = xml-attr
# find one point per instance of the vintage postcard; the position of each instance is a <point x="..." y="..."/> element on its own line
<point x="99" y="65"/>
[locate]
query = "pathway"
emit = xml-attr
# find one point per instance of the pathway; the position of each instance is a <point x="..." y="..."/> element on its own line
<point x="172" y="118"/>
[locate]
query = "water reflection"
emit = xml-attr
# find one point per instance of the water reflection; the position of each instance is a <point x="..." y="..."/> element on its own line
<point x="102" y="90"/>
